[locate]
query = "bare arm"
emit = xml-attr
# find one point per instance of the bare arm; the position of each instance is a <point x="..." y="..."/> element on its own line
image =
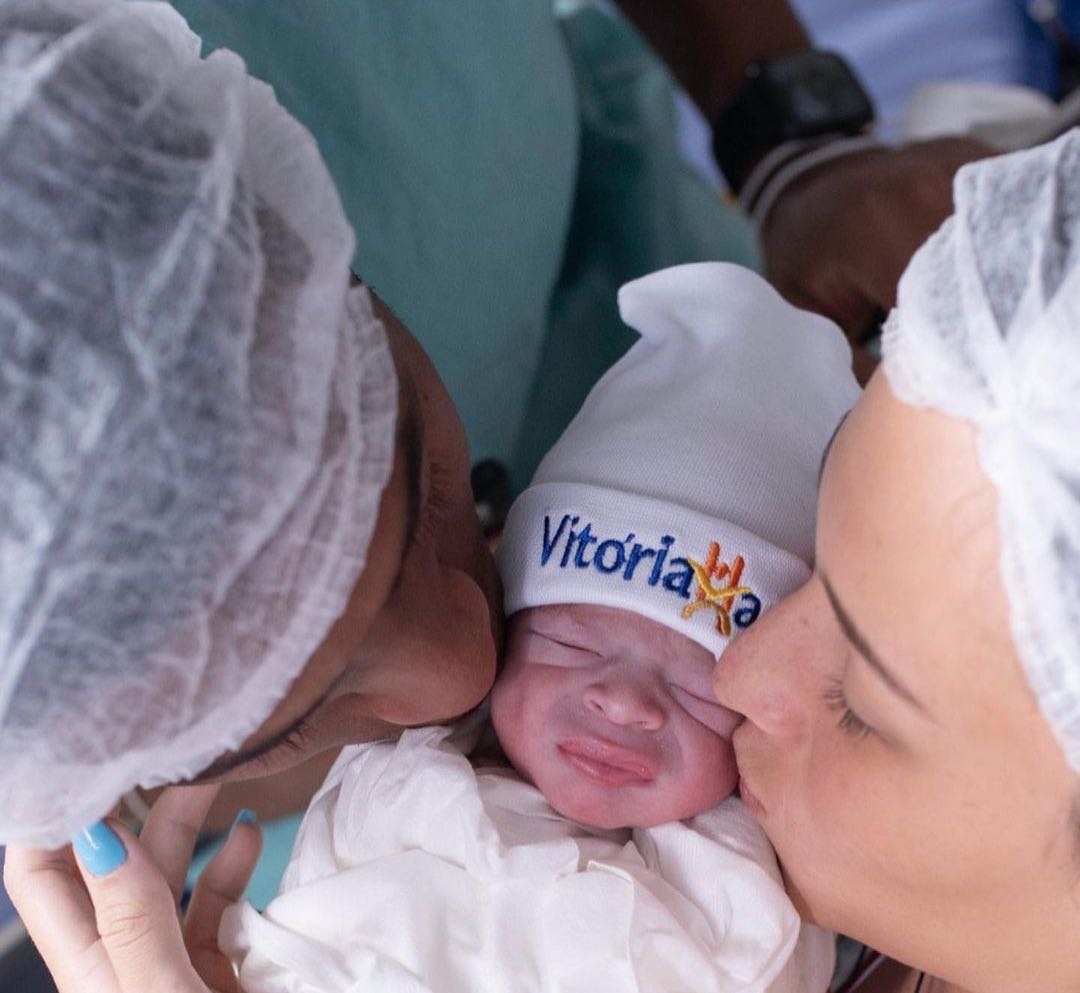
<point x="837" y="240"/>
<point x="709" y="43"/>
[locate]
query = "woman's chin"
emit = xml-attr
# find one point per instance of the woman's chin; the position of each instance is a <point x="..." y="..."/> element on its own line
<point x="799" y="901"/>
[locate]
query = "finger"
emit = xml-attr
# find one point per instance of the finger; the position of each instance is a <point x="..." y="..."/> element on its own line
<point x="135" y="913"/>
<point x="847" y="304"/>
<point x="829" y="291"/>
<point x="877" y="269"/>
<point x="172" y="829"/>
<point x="819" y="277"/>
<point x="53" y="903"/>
<point x="907" y="214"/>
<point x="221" y="884"/>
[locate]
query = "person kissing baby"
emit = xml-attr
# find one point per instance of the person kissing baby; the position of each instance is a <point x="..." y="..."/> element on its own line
<point x="594" y="844"/>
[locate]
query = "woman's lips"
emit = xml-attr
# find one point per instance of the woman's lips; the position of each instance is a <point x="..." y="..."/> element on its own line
<point x="605" y="763"/>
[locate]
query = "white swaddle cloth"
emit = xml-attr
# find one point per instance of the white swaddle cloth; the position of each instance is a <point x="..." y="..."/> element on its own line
<point x="415" y="872"/>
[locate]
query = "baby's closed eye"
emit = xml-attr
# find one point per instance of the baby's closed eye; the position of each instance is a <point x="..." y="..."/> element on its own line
<point x="561" y="652"/>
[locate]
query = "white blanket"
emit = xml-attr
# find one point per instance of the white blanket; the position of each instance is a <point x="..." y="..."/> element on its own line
<point x="415" y="873"/>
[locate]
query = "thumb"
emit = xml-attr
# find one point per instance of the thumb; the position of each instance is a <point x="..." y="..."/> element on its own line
<point x="135" y="913"/>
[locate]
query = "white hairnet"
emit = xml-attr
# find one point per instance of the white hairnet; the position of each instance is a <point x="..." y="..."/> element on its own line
<point x="197" y="422"/>
<point x="987" y="328"/>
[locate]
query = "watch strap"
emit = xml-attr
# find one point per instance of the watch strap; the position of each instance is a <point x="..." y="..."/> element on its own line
<point x="787" y="162"/>
<point x="803" y="96"/>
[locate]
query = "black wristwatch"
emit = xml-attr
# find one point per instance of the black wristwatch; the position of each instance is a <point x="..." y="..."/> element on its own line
<point x="795" y="97"/>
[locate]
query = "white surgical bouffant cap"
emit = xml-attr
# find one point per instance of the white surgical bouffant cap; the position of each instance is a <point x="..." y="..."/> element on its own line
<point x="198" y="417"/>
<point x="685" y="489"/>
<point x="987" y="329"/>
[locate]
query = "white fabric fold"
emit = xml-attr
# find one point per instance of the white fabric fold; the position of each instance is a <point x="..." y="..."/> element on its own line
<point x="414" y="872"/>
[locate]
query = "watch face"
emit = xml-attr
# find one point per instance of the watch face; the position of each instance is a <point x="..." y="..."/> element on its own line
<point x="814" y="93"/>
<point x="803" y="95"/>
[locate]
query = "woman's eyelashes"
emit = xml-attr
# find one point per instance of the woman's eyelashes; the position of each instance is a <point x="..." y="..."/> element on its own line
<point x="836" y="701"/>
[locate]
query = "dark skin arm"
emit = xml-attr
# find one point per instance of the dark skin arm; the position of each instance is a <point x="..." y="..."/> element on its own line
<point x="708" y="44"/>
<point x="838" y="239"/>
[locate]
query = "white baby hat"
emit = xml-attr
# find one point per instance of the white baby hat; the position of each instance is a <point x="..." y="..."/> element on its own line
<point x="686" y="487"/>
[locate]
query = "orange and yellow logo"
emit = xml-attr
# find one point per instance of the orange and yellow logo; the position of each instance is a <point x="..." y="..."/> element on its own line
<point x="719" y="585"/>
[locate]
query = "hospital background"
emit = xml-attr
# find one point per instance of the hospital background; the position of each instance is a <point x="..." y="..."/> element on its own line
<point x="896" y="45"/>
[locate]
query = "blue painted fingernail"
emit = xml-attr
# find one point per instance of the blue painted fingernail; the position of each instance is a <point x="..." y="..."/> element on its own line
<point x="244" y="817"/>
<point x="100" y="849"/>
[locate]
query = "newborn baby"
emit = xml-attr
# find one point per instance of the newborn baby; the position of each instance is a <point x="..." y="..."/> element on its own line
<point x="676" y="508"/>
<point x="611" y="716"/>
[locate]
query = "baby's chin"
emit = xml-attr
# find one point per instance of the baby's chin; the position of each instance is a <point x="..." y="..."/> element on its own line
<point x="610" y="809"/>
<point x="603" y="811"/>
<point x="599" y="815"/>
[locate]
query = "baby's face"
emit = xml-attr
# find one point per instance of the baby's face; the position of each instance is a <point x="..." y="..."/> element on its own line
<point x="612" y="716"/>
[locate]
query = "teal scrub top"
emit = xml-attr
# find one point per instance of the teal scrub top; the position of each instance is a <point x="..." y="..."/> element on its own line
<point x="507" y="165"/>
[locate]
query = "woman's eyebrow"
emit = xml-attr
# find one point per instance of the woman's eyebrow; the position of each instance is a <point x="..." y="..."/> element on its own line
<point x="862" y="646"/>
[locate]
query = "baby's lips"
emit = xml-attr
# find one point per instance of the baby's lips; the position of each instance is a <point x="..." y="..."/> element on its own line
<point x="601" y="752"/>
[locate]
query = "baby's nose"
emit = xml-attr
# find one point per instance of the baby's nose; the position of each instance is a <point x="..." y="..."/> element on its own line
<point x="626" y="703"/>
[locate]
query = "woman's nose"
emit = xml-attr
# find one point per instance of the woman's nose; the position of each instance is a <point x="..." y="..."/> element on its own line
<point x="626" y="702"/>
<point x="760" y="674"/>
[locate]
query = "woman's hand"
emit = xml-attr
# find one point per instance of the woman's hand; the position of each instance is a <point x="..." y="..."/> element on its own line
<point x="108" y="921"/>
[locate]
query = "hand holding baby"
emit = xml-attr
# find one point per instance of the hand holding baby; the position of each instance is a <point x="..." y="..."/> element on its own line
<point x="119" y="932"/>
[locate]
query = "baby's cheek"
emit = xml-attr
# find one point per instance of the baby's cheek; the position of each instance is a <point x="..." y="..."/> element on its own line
<point x="714" y="772"/>
<point x="507" y="716"/>
<point x="518" y="702"/>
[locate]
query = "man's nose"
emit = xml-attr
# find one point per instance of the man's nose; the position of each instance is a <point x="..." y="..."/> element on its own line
<point x="626" y="702"/>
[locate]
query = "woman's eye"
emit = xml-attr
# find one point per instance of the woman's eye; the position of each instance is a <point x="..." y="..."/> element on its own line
<point x="836" y="701"/>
